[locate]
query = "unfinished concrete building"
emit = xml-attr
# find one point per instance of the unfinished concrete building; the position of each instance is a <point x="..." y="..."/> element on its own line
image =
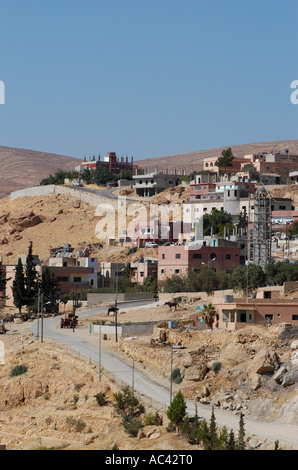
<point x="262" y="227"/>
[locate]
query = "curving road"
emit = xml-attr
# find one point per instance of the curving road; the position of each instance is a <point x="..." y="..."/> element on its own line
<point x="157" y="392"/>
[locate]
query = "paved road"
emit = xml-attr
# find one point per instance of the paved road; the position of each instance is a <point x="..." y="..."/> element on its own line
<point x="159" y="392"/>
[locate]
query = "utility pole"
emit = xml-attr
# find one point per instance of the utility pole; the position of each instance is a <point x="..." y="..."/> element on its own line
<point x="99" y="353"/>
<point x="42" y="317"/>
<point x="133" y="383"/>
<point x="38" y="312"/>
<point x="171" y="380"/>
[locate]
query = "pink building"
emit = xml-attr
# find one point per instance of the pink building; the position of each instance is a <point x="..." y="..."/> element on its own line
<point x="241" y="312"/>
<point x="178" y="259"/>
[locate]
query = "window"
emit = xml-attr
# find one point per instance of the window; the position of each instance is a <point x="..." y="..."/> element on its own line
<point x="77" y="279"/>
<point x="163" y="256"/>
<point x="142" y="274"/>
<point x="178" y="256"/>
<point x="267" y="294"/>
<point x="177" y="271"/>
<point x="162" y="271"/>
<point x="62" y="279"/>
<point x="228" y="256"/>
<point x="294" y="317"/>
<point x="197" y="256"/>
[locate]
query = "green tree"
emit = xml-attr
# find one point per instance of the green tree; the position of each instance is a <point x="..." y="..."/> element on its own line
<point x="31" y="284"/>
<point x="18" y="287"/>
<point x="252" y="172"/>
<point x="278" y="272"/>
<point x="231" y="444"/>
<point x="50" y="289"/>
<point x="248" y="278"/>
<point x="177" y="410"/>
<point x="3" y="281"/>
<point x="242" y="220"/>
<point x="225" y="159"/>
<point x="241" y="434"/>
<point x="293" y="229"/>
<point x="150" y="284"/>
<point x="102" y="176"/>
<point x="175" y="284"/>
<point x="126" y="404"/>
<point x="87" y="176"/>
<point x="217" y="220"/>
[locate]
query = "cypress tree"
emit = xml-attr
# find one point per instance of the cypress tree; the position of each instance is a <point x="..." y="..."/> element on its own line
<point x="50" y="288"/>
<point x="18" y="287"/>
<point x="241" y="434"/>
<point x="30" y="280"/>
<point x="177" y="409"/>
<point x="3" y="282"/>
<point x="231" y="441"/>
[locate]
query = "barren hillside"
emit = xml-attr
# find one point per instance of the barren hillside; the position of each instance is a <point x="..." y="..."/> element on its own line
<point x="194" y="160"/>
<point x="52" y="221"/>
<point x="21" y="168"/>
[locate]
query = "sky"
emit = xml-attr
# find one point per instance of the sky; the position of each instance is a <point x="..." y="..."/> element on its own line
<point x="146" y="78"/>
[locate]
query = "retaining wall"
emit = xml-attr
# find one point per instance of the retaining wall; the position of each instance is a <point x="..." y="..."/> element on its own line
<point x="84" y="196"/>
<point x="94" y="299"/>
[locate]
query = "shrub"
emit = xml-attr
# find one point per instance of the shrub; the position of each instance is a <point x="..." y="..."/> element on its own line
<point x="132" y="425"/>
<point x="101" y="398"/>
<point x="176" y="376"/>
<point x="127" y="404"/>
<point x="152" y="419"/>
<point x="216" y="366"/>
<point x="80" y="425"/>
<point x="18" y="370"/>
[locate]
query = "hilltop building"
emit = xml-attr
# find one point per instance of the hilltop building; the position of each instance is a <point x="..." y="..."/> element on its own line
<point x="110" y="161"/>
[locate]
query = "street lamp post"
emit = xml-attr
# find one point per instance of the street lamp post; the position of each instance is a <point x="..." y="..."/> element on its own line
<point x="99" y="354"/>
<point x="116" y="302"/>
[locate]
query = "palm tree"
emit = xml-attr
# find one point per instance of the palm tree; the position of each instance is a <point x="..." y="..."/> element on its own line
<point x="209" y="315"/>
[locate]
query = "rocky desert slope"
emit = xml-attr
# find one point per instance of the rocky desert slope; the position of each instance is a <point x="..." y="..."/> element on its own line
<point x="258" y="365"/>
<point x="53" y="404"/>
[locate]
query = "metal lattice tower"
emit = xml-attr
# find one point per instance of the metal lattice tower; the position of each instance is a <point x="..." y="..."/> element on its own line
<point x="262" y="227"/>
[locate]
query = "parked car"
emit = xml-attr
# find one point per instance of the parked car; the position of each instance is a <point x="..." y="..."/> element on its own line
<point x="151" y="245"/>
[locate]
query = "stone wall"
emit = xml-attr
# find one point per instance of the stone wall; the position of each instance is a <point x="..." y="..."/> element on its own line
<point x="126" y="329"/>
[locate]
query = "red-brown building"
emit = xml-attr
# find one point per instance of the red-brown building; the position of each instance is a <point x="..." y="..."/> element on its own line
<point x="110" y="161"/>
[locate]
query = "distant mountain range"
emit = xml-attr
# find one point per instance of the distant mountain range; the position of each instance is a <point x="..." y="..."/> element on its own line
<point x="20" y="168"/>
<point x="194" y="160"/>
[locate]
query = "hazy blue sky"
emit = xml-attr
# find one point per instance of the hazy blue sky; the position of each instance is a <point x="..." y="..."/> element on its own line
<point x="146" y="78"/>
